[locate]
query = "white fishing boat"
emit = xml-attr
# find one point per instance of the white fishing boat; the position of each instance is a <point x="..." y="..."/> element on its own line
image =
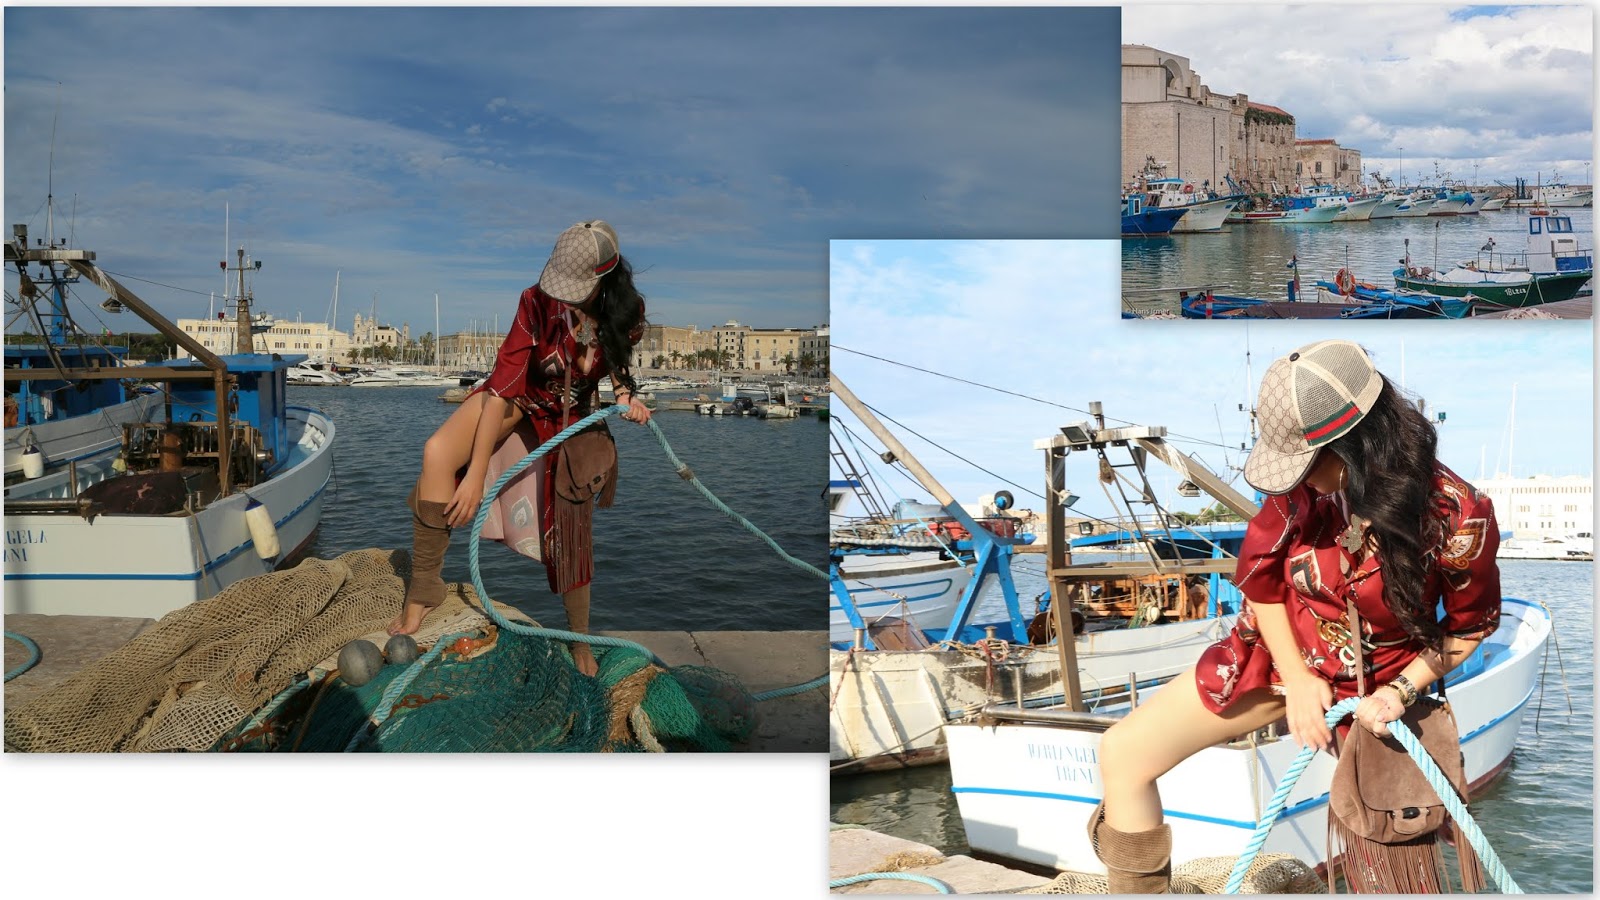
<point x="1575" y="547"/>
<point x="1205" y="209"/>
<point x="1494" y="203"/>
<point x="58" y="421"/>
<point x="1026" y="780"/>
<point x="78" y="437"/>
<point x="180" y="508"/>
<point x="1358" y="209"/>
<point x="913" y="660"/>
<point x="374" y="378"/>
<point x="309" y="374"/>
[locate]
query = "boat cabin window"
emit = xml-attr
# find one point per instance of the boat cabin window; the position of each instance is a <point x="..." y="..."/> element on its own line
<point x="1533" y="225"/>
<point x="1560" y="224"/>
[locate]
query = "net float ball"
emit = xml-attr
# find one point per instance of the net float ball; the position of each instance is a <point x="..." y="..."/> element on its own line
<point x="401" y="649"/>
<point x="359" y="662"/>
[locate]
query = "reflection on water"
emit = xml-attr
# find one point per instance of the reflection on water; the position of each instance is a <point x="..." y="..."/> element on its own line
<point x="1539" y="816"/>
<point x="1253" y="260"/>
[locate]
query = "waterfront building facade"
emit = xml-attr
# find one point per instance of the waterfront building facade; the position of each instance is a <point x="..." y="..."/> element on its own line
<point x="312" y="339"/>
<point x="1542" y="506"/>
<point x="469" y="351"/>
<point x="1323" y="161"/>
<point x="673" y="347"/>
<point x="1171" y="116"/>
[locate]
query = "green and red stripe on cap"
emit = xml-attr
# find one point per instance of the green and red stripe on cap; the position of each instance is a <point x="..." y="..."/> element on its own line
<point x="1333" y="426"/>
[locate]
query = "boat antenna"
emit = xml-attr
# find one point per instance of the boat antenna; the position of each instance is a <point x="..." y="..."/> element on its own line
<point x="1436" y="245"/>
<point x="50" y="177"/>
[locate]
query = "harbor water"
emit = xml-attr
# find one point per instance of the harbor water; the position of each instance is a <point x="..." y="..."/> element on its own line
<point x="665" y="559"/>
<point x="1539" y="816"/>
<point x="1253" y="260"/>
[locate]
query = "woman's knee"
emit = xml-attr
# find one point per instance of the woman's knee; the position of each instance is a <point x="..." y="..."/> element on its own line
<point x="1119" y="750"/>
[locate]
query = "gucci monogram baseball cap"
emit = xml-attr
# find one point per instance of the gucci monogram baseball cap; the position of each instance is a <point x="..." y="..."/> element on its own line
<point x="1308" y="399"/>
<point x="582" y="254"/>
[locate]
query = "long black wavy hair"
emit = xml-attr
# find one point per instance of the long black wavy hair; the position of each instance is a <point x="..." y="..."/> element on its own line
<point x="618" y="310"/>
<point x="1389" y="459"/>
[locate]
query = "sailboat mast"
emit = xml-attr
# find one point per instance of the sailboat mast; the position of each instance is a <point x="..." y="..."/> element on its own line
<point x="1511" y="448"/>
<point x="437" y="369"/>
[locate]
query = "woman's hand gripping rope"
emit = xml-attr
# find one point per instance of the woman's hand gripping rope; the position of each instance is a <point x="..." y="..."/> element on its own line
<point x="1436" y="779"/>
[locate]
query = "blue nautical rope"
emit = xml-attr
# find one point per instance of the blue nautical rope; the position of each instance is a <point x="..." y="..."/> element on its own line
<point x="398" y="687"/>
<point x="33" y="654"/>
<point x="1436" y="780"/>
<point x="934" y="883"/>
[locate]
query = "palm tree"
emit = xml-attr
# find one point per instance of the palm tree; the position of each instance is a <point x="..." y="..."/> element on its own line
<point x="725" y="358"/>
<point x="808" y="361"/>
<point x="659" y="362"/>
<point x="788" y="363"/>
<point x="675" y="357"/>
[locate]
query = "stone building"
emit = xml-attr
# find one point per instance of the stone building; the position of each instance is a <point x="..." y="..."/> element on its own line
<point x="676" y="346"/>
<point x="469" y="350"/>
<point x="815" y="345"/>
<point x="1323" y="161"/>
<point x="1171" y="116"/>
<point x="774" y="349"/>
<point x="1267" y="152"/>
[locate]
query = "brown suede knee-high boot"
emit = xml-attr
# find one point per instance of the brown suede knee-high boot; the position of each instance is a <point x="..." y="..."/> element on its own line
<point x="1137" y="862"/>
<point x="430" y="538"/>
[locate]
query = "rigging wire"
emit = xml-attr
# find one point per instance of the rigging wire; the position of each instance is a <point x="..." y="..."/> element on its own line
<point x="1000" y="390"/>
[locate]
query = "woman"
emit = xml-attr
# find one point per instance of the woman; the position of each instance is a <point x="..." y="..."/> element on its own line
<point x="576" y="326"/>
<point x="1358" y="507"/>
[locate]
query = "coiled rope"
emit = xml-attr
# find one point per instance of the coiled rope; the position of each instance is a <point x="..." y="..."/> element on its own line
<point x="400" y="685"/>
<point x="934" y="883"/>
<point x="1436" y="779"/>
<point x="33" y="654"/>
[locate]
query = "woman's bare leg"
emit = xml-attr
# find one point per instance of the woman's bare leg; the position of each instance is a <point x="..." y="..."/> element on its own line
<point x="1163" y="731"/>
<point x="443" y="454"/>
<point x="576" y="603"/>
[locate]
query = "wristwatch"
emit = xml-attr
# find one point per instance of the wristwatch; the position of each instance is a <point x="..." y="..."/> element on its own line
<point x="1407" y="690"/>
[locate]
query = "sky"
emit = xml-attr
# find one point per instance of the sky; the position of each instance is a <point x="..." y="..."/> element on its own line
<point x="1041" y="318"/>
<point x="1509" y="89"/>
<point x="443" y="150"/>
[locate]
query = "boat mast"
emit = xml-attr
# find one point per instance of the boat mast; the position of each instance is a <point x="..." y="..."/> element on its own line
<point x="437" y="368"/>
<point x="243" y="343"/>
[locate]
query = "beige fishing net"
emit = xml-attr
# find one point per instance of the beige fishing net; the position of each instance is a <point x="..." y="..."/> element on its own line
<point x="203" y="668"/>
<point x="1269" y="873"/>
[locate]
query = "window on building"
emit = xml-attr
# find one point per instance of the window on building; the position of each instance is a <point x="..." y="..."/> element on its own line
<point x="1319" y="167"/>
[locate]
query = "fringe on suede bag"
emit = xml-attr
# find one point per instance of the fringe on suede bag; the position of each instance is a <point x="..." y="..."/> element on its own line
<point x="584" y="471"/>
<point x="1384" y="819"/>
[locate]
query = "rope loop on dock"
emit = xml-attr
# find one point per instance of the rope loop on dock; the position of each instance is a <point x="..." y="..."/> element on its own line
<point x="33" y="654"/>
<point x="400" y="685"/>
<point x="1436" y="779"/>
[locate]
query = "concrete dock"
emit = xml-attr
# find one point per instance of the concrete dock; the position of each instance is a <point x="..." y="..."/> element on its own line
<point x="763" y="660"/>
<point x="857" y="851"/>
<point x="1576" y="308"/>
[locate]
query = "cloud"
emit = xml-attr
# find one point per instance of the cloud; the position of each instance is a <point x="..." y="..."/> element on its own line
<point x="1040" y="318"/>
<point x="446" y="147"/>
<point x="1511" y="84"/>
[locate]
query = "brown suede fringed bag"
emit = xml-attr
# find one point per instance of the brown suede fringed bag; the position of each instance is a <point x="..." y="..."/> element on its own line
<point x="1384" y="819"/>
<point x="586" y="466"/>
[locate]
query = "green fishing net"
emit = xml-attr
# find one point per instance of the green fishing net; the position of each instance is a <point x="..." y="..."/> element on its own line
<point x="518" y="694"/>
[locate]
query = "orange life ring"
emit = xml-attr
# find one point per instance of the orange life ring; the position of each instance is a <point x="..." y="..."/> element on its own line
<point x="1345" y="282"/>
<point x="1188" y="189"/>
